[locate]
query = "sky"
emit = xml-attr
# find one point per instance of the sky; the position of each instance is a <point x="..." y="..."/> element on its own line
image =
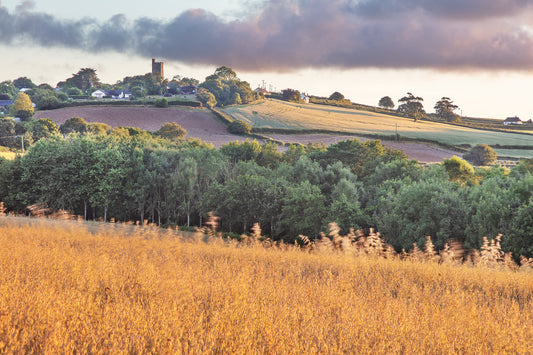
<point x="479" y="53"/>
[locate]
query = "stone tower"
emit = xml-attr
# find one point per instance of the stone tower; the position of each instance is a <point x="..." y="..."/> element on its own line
<point x="157" y="69"/>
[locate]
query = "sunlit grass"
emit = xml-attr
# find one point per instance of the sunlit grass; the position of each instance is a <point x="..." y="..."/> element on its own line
<point x="65" y="288"/>
<point x="280" y="114"/>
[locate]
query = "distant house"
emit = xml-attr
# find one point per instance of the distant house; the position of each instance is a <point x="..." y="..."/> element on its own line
<point x="304" y="98"/>
<point x="188" y="90"/>
<point x="262" y="91"/>
<point x="512" y="120"/>
<point x="99" y="94"/>
<point x="4" y="105"/>
<point x="114" y="94"/>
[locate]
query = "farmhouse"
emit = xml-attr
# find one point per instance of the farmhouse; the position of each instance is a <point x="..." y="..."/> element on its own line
<point x="512" y="120"/>
<point x="115" y="94"/>
<point x="99" y="94"/>
<point x="304" y="98"/>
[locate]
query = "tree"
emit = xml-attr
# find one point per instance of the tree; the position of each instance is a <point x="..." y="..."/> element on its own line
<point x="337" y="96"/>
<point x="386" y="102"/>
<point x="171" y="131"/>
<point x="24" y="83"/>
<point x="412" y="105"/>
<point x="74" y="124"/>
<point x="84" y="79"/>
<point x="481" y="154"/>
<point x="458" y="169"/>
<point x="22" y="107"/>
<point x="183" y="81"/>
<point x="444" y="109"/>
<point x="207" y="98"/>
<point x="7" y="88"/>
<point x="42" y="128"/>
<point x="226" y="73"/>
<point x="239" y="127"/>
<point x="162" y="103"/>
<point x="291" y="95"/>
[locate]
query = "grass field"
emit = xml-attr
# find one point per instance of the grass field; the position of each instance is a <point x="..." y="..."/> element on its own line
<point x="285" y="115"/>
<point x="67" y="289"/>
<point x="8" y="155"/>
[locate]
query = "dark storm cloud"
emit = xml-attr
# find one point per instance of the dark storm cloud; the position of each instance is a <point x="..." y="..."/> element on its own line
<point x="294" y="34"/>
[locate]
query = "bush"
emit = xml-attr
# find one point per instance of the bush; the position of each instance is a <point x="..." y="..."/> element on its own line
<point x="162" y="103"/>
<point x="172" y="131"/>
<point x="481" y="154"/>
<point x="239" y="127"/>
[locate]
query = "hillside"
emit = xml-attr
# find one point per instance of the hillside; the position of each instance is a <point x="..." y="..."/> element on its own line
<point x="199" y="123"/>
<point x="275" y="114"/>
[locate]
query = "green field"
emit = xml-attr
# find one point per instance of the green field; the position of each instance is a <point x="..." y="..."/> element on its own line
<point x="285" y="115"/>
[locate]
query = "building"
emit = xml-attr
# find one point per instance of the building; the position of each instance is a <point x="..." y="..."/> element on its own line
<point x="512" y="120"/>
<point x="157" y="69"/>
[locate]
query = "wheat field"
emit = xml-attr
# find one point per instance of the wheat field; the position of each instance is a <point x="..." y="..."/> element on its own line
<point x="68" y="288"/>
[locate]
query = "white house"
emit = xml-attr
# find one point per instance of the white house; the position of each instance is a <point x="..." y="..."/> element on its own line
<point x="99" y="94"/>
<point x="512" y="120"/>
<point x="304" y="98"/>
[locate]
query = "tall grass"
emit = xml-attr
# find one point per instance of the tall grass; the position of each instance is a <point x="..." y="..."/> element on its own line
<point x="66" y="287"/>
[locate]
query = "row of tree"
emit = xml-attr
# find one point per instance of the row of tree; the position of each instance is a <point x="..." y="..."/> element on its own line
<point x="138" y="176"/>
<point x="412" y="106"/>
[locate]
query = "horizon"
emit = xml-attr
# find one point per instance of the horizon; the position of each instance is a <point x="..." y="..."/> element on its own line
<point x="354" y="47"/>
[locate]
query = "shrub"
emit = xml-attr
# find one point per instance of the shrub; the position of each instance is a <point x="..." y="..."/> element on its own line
<point x="481" y="154"/>
<point x="162" y="103"/>
<point x="239" y="127"/>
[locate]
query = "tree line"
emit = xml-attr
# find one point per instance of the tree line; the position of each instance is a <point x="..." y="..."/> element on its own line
<point x="133" y="175"/>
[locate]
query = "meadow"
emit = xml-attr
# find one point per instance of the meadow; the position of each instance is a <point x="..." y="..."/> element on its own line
<point x="285" y="115"/>
<point x="70" y="287"/>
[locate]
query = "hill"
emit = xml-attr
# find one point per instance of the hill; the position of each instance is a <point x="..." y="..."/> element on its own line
<point x="275" y="115"/>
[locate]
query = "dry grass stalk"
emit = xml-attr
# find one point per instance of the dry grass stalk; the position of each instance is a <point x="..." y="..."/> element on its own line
<point x="66" y="289"/>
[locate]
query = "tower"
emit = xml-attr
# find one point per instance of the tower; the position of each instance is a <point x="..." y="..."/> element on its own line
<point x="157" y="69"/>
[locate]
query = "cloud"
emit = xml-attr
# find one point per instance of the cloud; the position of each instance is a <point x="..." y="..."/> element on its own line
<point x="285" y="35"/>
<point x="458" y="9"/>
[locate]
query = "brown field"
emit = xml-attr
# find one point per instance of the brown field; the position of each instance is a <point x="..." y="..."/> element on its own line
<point x="201" y="124"/>
<point x="66" y="289"/>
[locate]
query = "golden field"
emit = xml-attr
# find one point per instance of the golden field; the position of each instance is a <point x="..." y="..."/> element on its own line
<point x="67" y="287"/>
<point x="286" y="115"/>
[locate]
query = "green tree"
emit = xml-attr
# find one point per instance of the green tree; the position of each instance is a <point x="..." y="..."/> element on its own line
<point x="239" y="127"/>
<point x="337" y="96"/>
<point x="458" y="169"/>
<point x="291" y="95"/>
<point x="22" y="107"/>
<point x="412" y="105"/>
<point x="23" y="83"/>
<point x="444" y="109"/>
<point x="386" y="102"/>
<point x="7" y="88"/>
<point x="84" y="79"/>
<point x="161" y="103"/>
<point x="481" y="154"/>
<point x="74" y="91"/>
<point x="208" y="99"/>
<point x="74" y="124"/>
<point x="42" y="128"/>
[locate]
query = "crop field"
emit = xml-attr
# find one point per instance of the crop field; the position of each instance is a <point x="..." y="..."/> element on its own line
<point x="65" y="288"/>
<point x="285" y="115"/>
